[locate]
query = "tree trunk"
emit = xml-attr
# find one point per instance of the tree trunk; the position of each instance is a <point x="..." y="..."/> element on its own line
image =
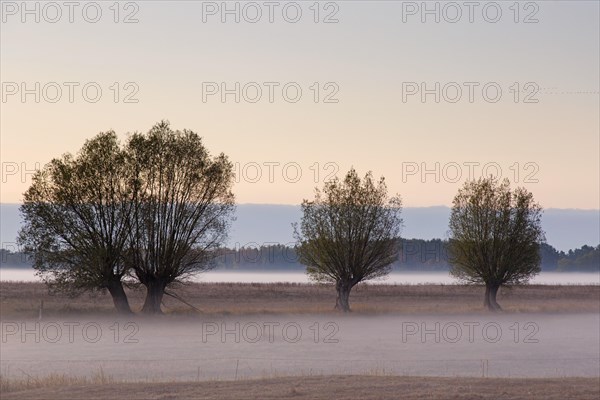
<point x="119" y="297"/>
<point x="155" y="291"/>
<point x="493" y="294"/>
<point x="342" y="303"/>
<point x="491" y="291"/>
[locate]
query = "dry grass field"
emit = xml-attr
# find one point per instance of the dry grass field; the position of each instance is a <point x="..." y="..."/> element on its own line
<point x="328" y="387"/>
<point x="22" y="299"/>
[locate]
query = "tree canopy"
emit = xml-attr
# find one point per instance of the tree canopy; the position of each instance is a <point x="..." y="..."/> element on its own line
<point x="153" y="210"/>
<point x="182" y="207"/>
<point x="76" y="215"/>
<point x="349" y="233"/>
<point x="495" y="236"/>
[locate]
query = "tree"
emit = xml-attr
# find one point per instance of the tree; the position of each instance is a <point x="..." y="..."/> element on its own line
<point x="75" y="217"/>
<point x="495" y="236"/>
<point x="182" y="206"/>
<point x="349" y="233"/>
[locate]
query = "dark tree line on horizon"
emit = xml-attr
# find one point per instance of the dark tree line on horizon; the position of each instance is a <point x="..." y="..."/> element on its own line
<point x="414" y="255"/>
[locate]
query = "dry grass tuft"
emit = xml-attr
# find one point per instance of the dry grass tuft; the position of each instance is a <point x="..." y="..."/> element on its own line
<point x="28" y="382"/>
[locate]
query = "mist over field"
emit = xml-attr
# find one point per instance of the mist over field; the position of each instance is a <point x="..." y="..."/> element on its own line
<point x="207" y="348"/>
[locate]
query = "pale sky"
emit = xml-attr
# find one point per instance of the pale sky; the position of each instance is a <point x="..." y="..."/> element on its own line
<point x="370" y="56"/>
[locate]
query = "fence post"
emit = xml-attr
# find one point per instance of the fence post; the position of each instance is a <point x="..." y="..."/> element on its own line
<point x="484" y="368"/>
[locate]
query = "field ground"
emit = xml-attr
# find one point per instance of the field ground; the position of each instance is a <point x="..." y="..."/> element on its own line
<point x="22" y="299"/>
<point x="562" y="363"/>
<point x="330" y="387"/>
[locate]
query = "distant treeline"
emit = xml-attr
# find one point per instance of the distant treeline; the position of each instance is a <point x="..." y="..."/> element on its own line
<point x="414" y="255"/>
